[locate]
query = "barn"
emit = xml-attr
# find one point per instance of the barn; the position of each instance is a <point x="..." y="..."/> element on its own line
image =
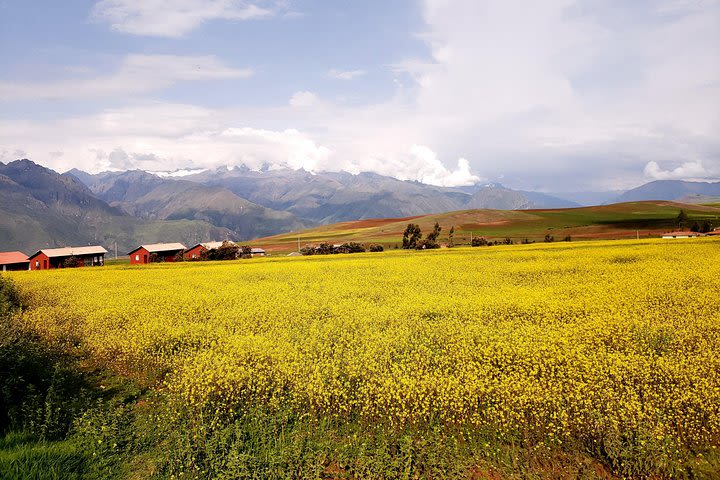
<point x="156" y="252"/>
<point x="257" y="252"/>
<point x="47" y="258"/>
<point x="195" y="253"/>
<point x="14" y="261"/>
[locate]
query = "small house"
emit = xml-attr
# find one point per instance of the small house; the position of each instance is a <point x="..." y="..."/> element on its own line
<point x="681" y="234"/>
<point x="14" y="261"/>
<point x="156" y="252"/>
<point x="257" y="252"/>
<point x="47" y="258"/>
<point x="195" y="252"/>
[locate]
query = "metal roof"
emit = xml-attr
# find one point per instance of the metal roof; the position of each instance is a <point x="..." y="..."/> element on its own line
<point x="257" y="250"/>
<point x="160" y="247"/>
<point x="70" y="251"/>
<point x="6" y="258"/>
<point x="211" y="245"/>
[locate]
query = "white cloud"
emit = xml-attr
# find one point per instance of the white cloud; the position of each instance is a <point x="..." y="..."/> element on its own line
<point x="543" y="93"/>
<point x="137" y="74"/>
<point x="172" y="19"/>
<point x="688" y="170"/>
<point x="303" y="99"/>
<point x="345" y="74"/>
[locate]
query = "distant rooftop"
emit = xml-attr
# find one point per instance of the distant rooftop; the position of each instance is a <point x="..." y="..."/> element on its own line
<point x="161" y="247"/>
<point x="7" y="258"/>
<point x="71" y="251"/>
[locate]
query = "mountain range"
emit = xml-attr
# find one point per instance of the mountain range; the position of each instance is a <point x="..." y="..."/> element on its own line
<point x="43" y="208"/>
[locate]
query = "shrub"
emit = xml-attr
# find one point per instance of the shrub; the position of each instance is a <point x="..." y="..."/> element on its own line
<point x="479" y="242"/>
<point x="377" y="248"/>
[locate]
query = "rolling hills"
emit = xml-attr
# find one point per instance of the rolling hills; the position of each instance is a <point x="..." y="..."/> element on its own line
<point x="625" y="220"/>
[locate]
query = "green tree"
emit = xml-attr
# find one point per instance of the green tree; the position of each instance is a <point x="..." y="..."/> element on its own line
<point x="682" y="219"/>
<point x="411" y="236"/>
<point x="451" y="233"/>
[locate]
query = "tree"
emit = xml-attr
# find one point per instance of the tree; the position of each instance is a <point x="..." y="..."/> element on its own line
<point x="352" y="247"/>
<point x="72" y="262"/>
<point x="695" y="227"/>
<point x="450" y="236"/>
<point x="377" y="248"/>
<point x="567" y="239"/>
<point x="433" y="236"/>
<point x="411" y="236"/>
<point x="431" y="240"/>
<point x="682" y="219"/>
<point x="226" y="251"/>
<point x="479" y="242"/>
<point x="245" y="251"/>
<point x="549" y="238"/>
<point x="706" y="226"/>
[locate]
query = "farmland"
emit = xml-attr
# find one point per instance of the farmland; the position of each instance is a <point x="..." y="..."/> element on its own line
<point x="593" y="360"/>
<point x="623" y="220"/>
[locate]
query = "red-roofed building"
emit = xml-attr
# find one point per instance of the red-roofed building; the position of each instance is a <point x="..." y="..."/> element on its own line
<point x="90" y="256"/>
<point x="156" y="252"/>
<point x="14" y="261"/>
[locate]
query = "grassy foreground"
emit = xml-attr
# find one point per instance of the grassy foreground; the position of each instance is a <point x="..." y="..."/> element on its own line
<point x="593" y="360"/>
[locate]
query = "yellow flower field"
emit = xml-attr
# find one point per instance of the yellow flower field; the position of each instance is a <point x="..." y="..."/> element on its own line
<point x="602" y="344"/>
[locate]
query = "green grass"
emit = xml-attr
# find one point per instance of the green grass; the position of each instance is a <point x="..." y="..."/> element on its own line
<point x="626" y="220"/>
<point x="24" y="457"/>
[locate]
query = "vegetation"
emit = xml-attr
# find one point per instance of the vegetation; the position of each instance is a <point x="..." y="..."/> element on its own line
<point x="649" y="219"/>
<point x="582" y="360"/>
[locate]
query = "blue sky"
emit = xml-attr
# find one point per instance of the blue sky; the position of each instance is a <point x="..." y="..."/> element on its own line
<point x="553" y="95"/>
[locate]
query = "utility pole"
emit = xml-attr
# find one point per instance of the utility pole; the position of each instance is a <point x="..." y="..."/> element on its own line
<point x="471" y="238"/>
<point x="115" y="249"/>
<point x="298" y="238"/>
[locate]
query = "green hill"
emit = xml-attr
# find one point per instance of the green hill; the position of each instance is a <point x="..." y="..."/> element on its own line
<point x="622" y="220"/>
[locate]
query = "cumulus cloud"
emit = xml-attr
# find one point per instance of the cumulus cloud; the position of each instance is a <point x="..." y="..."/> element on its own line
<point x="136" y="74"/>
<point x="601" y="94"/>
<point x="172" y="19"/>
<point x="303" y="99"/>
<point x="345" y="74"/>
<point x="688" y="170"/>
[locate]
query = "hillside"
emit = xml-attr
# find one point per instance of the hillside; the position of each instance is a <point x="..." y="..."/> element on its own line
<point x="328" y="197"/>
<point x="42" y="208"/>
<point x="608" y="221"/>
<point x="669" y="190"/>
<point x="148" y="196"/>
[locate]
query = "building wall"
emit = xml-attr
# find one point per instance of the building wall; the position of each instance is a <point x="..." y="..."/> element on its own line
<point x="40" y="262"/>
<point x="9" y="267"/>
<point x="194" y="253"/>
<point x="140" y="257"/>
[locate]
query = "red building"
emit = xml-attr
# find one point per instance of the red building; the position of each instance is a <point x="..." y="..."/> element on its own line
<point x="91" y="256"/>
<point x="14" y="261"/>
<point x="156" y="252"/>
<point x="195" y="253"/>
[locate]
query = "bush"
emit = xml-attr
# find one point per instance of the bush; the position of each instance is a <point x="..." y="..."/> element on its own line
<point x="352" y="247"/>
<point x="226" y="251"/>
<point x="72" y="262"/>
<point x="549" y="238"/>
<point x="479" y="242"/>
<point x="377" y="248"/>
